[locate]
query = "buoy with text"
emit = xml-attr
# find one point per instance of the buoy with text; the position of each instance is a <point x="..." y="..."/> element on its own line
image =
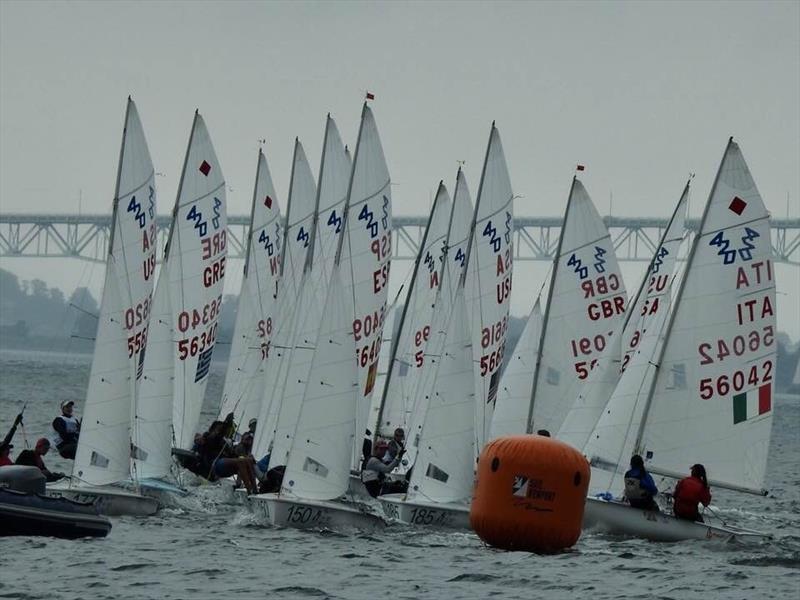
<point x="530" y="494"/>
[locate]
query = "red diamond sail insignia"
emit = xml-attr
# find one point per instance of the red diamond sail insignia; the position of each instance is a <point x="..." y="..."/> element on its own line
<point x="737" y="205"/>
<point x="205" y="168"/>
<point x="268" y="202"/>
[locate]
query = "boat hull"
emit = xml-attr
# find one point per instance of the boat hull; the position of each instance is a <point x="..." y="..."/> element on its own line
<point x="425" y="514"/>
<point x="318" y="514"/>
<point x="33" y="514"/>
<point x="109" y="500"/>
<point x="612" y="516"/>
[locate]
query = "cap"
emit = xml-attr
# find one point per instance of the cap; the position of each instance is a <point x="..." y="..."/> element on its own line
<point x="42" y="442"/>
<point x="252" y="421"/>
<point x="66" y="403"/>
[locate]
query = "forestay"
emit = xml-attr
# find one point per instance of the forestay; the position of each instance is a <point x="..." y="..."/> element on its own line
<point x="283" y="395"/>
<point x="712" y="399"/>
<point x="255" y="318"/>
<point x="514" y="397"/>
<point x="585" y="306"/>
<point x="104" y="448"/>
<point x="408" y="356"/>
<point x="490" y="268"/>
<point x="636" y="344"/>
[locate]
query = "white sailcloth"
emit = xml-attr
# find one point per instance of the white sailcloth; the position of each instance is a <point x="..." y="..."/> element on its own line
<point x="514" y="397"/>
<point x="255" y="318"/>
<point x="641" y="321"/>
<point x="104" y="448"/>
<point x="319" y="462"/>
<point x="491" y="263"/>
<point x="712" y="399"/>
<point x="443" y="470"/>
<point x="585" y="306"/>
<point x="283" y="392"/>
<point x="408" y="359"/>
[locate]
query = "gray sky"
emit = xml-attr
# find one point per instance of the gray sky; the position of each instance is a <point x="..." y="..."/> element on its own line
<point x="642" y="93"/>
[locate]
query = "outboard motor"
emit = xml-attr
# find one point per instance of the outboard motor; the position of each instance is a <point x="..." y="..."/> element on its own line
<point x="29" y="480"/>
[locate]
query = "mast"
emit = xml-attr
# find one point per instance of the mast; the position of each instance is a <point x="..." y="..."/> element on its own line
<point x="678" y="297"/>
<point x="529" y="425"/>
<point x="309" y="264"/>
<point x="252" y="216"/>
<point x="393" y="355"/>
<point x="346" y="208"/>
<point x="288" y="209"/>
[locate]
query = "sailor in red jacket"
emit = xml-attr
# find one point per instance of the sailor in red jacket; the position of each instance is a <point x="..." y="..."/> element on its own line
<point x="690" y="492"/>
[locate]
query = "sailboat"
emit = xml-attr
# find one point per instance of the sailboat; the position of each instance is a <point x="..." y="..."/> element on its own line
<point x="585" y="306"/>
<point x="344" y="363"/>
<point x="255" y="317"/>
<point x="450" y="436"/>
<point x="102" y="468"/>
<point x="185" y="314"/>
<point x="703" y="392"/>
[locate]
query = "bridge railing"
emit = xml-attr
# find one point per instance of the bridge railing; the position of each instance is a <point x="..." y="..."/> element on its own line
<point x="535" y="238"/>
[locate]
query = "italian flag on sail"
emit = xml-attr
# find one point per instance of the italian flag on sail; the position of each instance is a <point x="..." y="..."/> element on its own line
<point x="752" y="404"/>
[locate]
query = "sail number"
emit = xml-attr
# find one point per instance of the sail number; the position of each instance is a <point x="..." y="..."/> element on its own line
<point x="420" y="337"/>
<point x="265" y="329"/>
<point x="137" y="342"/>
<point x="738" y="346"/>
<point x="138" y="314"/>
<point x="368" y="353"/>
<point x="196" y="344"/>
<point x="363" y="328"/>
<point x="494" y="333"/>
<point x="197" y="317"/>
<point x="426" y="516"/>
<point x="491" y="361"/>
<point x="303" y="515"/>
<point x="724" y="384"/>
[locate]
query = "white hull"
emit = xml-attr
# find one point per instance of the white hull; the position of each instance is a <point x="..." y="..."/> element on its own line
<point x="319" y="514"/>
<point x="425" y="514"/>
<point x="110" y="500"/>
<point x="620" y="518"/>
<point x="356" y="489"/>
<point x="259" y="506"/>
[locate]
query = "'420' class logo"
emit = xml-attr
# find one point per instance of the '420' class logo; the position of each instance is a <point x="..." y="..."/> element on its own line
<point x="729" y="254"/>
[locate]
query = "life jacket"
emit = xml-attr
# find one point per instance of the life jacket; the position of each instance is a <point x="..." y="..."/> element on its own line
<point x="688" y="494"/>
<point x="634" y="490"/>
<point x="368" y="475"/>
<point x="71" y="425"/>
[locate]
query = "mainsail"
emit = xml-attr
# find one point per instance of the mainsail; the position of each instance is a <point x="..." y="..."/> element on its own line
<point x="255" y="317"/>
<point x="490" y="269"/>
<point x="585" y="306"/>
<point x="408" y="353"/>
<point x="104" y="449"/>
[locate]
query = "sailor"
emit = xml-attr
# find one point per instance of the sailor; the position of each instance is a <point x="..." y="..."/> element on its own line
<point x="375" y="470"/>
<point x="396" y="444"/>
<point x="6" y="445"/>
<point x="690" y="492"/>
<point x="33" y="458"/>
<point x="251" y="426"/>
<point x="5" y="450"/>
<point x="640" y="489"/>
<point x="67" y="429"/>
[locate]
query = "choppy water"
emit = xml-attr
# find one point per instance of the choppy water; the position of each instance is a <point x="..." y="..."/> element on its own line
<point x="208" y="549"/>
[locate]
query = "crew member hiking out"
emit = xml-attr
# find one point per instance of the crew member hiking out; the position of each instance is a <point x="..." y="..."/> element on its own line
<point x="689" y="493"/>
<point x="640" y="489"/>
<point x="33" y="458"/>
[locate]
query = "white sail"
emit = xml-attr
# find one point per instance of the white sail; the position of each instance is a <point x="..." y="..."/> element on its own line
<point x="712" y="398"/>
<point x="641" y="322"/>
<point x="104" y="449"/>
<point x="456" y="257"/>
<point x="283" y="392"/>
<point x="255" y="318"/>
<point x="585" y="306"/>
<point x="319" y="462"/>
<point x="406" y="363"/>
<point x="366" y="257"/>
<point x="443" y="470"/>
<point x="514" y="397"/>
<point x="490" y="269"/>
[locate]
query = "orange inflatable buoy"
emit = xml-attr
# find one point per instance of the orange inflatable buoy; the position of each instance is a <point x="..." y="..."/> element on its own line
<point x="530" y="494"/>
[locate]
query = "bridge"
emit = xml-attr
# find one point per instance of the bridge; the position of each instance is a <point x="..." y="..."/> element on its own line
<point x="535" y="238"/>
